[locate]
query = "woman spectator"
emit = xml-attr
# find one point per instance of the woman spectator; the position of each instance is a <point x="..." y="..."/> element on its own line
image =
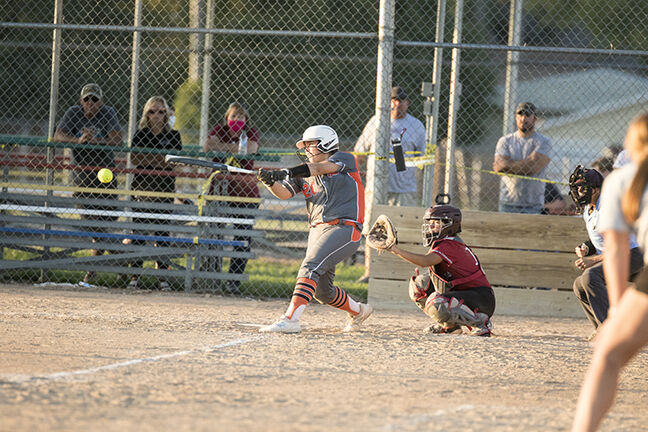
<point x="236" y="136"/>
<point x="154" y="132"/>
<point x="624" y="210"/>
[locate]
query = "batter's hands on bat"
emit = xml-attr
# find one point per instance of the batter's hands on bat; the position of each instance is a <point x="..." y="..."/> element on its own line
<point x="269" y="177"/>
<point x="265" y="177"/>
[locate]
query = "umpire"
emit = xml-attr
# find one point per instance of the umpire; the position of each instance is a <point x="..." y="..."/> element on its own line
<point x="590" y="289"/>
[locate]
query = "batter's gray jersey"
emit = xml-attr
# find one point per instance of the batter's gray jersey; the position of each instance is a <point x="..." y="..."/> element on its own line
<point x="332" y="196"/>
<point x="522" y="192"/>
<point x="335" y="204"/>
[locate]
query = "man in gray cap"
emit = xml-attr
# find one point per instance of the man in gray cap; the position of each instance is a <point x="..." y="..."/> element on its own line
<point x="402" y="189"/>
<point x="525" y="152"/>
<point x="90" y="123"/>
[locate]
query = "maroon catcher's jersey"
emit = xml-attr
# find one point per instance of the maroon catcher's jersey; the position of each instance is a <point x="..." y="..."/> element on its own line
<point x="459" y="261"/>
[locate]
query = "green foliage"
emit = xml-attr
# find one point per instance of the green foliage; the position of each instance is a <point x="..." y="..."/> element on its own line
<point x="272" y="278"/>
<point x="267" y="278"/>
<point x="187" y="107"/>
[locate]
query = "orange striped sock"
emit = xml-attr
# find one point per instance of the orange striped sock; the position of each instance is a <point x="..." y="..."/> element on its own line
<point x="344" y="302"/>
<point x="302" y="295"/>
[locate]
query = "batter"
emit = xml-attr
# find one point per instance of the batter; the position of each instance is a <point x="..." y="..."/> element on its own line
<point x="334" y="197"/>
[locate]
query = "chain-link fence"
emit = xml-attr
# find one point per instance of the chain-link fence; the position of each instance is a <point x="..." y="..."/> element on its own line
<point x="194" y="77"/>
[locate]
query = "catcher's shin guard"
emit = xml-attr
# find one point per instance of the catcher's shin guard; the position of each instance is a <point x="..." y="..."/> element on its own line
<point x="451" y="311"/>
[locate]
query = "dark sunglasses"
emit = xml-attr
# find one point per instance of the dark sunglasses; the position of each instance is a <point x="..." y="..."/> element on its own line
<point x="525" y="113"/>
<point x="92" y="98"/>
<point x="157" y="112"/>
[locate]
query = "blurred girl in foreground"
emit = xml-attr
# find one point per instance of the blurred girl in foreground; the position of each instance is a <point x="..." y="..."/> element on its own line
<point x="624" y="209"/>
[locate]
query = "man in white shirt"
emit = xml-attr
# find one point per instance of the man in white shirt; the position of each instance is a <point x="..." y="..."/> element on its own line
<point x="402" y="189"/>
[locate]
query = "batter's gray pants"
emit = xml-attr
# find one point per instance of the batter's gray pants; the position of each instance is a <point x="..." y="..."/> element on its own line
<point x="327" y="246"/>
<point x="591" y="290"/>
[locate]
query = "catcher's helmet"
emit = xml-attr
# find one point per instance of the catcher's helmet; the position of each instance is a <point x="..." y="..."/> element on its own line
<point x="325" y="135"/>
<point x="450" y="217"/>
<point x="586" y="179"/>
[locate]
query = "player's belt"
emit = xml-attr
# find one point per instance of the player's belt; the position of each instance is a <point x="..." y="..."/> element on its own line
<point x="340" y="222"/>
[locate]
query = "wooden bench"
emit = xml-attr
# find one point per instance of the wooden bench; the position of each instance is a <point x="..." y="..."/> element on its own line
<point x="529" y="260"/>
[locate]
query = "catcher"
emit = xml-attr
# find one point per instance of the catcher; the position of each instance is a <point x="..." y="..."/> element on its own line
<point x="456" y="292"/>
<point x="330" y="183"/>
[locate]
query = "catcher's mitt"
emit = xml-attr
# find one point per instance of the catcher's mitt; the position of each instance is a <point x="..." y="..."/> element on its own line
<point x="382" y="235"/>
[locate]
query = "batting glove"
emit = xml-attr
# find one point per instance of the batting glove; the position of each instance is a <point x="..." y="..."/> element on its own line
<point x="265" y="177"/>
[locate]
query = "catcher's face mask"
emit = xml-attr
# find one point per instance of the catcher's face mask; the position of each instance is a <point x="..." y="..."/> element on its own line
<point x="435" y="228"/>
<point x="440" y="221"/>
<point x="582" y="183"/>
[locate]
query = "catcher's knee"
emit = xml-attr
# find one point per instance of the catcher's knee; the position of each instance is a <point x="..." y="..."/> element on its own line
<point x="437" y="307"/>
<point x="452" y="311"/>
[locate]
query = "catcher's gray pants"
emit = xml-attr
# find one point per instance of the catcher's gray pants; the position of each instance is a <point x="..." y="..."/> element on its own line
<point x="327" y="246"/>
<point x="590" y="288"/>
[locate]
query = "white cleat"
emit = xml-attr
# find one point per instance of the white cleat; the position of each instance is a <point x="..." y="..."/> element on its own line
<point x="282" y="325"/>
<point x="353" y="321"/>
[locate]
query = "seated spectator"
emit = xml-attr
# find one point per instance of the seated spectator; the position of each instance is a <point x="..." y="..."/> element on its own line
<point x="622" y="159"/>
<point x="91" y="123"/>
<point x="554" y="203"/>
<point x="236" y="136"/>
<point x="154" y="132"/>
<point x="604" y="165"/>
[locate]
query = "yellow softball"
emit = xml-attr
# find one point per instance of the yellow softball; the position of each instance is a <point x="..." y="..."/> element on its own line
<point x="105" y="175"/>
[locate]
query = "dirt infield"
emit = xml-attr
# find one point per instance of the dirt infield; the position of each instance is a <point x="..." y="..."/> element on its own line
<point x="112" y="360"/>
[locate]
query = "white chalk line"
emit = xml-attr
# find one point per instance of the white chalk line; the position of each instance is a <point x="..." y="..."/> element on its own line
<point x="18" y="378"/>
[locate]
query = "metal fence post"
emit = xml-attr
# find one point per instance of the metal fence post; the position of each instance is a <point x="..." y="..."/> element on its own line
<point x="455" y="92"/>
<point x="432" y="123"/>
<point x="383" y="100"/>
<point x="134" y="86"/>
<point x="512" y="59"/>
<point x="206" y="75"/>
<point x="53" y="104"/>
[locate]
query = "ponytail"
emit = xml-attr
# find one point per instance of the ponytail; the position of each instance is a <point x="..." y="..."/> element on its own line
<point x="631" y="200"/>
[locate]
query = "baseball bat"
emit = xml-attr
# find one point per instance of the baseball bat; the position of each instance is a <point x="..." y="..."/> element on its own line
<point x="216" y="166"/>
<point x="398" y="152"/>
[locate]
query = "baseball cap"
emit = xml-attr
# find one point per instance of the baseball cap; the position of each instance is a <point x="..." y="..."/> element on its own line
<point x="398" y="93"/>
<point x="91" y="90"/>
<point x="526" y="107"/>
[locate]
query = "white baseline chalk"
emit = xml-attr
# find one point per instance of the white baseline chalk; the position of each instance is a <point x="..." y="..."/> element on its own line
<point x="60" y="375"/>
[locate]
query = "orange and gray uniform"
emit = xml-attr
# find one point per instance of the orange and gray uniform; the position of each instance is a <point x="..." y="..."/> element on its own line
<point x="335" y="205"/>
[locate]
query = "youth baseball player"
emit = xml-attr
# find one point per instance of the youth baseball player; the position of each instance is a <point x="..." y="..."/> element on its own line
<point x="334" y="194"/>
<point x="456" y="293"/>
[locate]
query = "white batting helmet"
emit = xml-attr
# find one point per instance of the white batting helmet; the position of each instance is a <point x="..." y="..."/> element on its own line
<point x="325" y="135"/>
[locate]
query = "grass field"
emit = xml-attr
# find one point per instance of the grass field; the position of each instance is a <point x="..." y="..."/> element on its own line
<point x="267" y="277"/>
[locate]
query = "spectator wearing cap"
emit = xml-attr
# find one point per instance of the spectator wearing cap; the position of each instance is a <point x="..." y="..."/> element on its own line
<point x="525" y="152"/>
<point x="90" y="123"/>
<point x="402" y="187"/>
